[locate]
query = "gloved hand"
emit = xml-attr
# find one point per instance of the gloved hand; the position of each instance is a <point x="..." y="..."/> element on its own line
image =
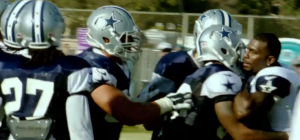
<point x="175" y="102"/>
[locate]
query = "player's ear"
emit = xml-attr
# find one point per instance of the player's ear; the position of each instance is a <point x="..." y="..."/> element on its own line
<point x="271" y="60"/>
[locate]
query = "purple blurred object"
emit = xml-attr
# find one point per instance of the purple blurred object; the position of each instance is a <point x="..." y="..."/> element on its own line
<point x="81" y="37"/>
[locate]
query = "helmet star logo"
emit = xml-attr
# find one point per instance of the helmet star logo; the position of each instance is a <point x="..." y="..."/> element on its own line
<point x="202" y="17"/>
<point x="111" y="22"/>
<point x="224" y="34"/>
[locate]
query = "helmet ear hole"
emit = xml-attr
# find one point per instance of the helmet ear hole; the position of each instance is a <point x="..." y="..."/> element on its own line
<point x="106" y="40"/>
<point x="224" y="51"/>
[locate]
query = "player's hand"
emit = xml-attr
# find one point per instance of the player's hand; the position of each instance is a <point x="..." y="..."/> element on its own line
<point x="175" y="102"/>
<point x="145" y="97"/>
<point x="181" y="101"/>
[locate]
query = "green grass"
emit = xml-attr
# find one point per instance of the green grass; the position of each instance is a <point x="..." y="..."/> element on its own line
<point x="135" y="133"/>
<point x="135" y="129"/>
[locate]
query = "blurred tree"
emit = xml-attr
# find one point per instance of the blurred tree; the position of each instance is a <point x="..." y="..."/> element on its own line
<point x="285" y="28"/>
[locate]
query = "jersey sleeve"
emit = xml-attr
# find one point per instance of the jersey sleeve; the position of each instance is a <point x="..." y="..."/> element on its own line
<point x="89" y="79"/>
<point x="294" y="135"/>
<point x="79" y="120"/>
<point x="223" y="86"/>
<point x="274" y="85"/>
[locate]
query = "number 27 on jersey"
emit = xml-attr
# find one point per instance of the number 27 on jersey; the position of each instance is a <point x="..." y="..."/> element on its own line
<point x="30" y="98"/>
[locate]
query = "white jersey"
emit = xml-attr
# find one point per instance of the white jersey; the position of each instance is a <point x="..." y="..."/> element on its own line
<point x="283" y="83"/>
<point x="294" y="135"/>
<point x="221" y="83"/>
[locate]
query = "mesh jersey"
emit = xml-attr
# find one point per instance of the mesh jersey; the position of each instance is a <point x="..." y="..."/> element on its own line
<point x="111" y="130"/>
<point x="168" y="75"/>
<point x="295" y="120"/>
<point x="10" y="61"/>
<point x="170" y="72"/>
<point x="38" y="93"/>
<point x="211" y="84"/>
<point x="283" y="83"/>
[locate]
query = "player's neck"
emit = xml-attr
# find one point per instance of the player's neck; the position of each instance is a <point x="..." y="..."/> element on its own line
<point x="114" y="58"/>
<point x="195" y="54"/>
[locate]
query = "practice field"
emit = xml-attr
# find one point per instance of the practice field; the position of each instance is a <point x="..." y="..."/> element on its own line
<point x="135" y="133"/>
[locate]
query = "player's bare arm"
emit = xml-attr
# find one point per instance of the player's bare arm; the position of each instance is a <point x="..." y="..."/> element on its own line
<point x="113" y="102"/>
<point x="154" y="124"/>
<point x="269" y="89"/>
<point x="246" y="104"/>
<point x="237" y="130"/>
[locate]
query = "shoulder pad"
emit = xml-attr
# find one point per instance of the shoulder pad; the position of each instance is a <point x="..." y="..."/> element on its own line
<point x="73" y="62"/>
<point x="223" y="83"/>
<point x="11" y="61"/>
<point x="175" y="66"/>
<point x="278" y="81"/>
<point x="272" y="84"/>
<point x="89" y="79"/>
<point x="170" y="61"/>
<point x="282" y="72"/>
<point x="164" y="85"/>
<point x="199" y="76"/>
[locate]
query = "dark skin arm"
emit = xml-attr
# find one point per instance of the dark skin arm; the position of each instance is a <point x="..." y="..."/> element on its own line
<point x="113" y="102"/>
<point x="250" y="105"/>
<point x="237" y="130"/>
<point x="158" y="122"/>
<point x="154" y="124"/>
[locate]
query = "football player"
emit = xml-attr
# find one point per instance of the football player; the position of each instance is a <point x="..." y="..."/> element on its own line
<point x="215" y="82"/>
<point x="115" y="38"/>
<point x="118" y="48"/>
<point x="169" y="70"/>
<point x="3" y="48"/>
<point x="35" y="93"/>
<point x="7" y="60"/>
<point x="273" y="89"/>
<point x="214" y="87"/>
<point x="173" y="68"/>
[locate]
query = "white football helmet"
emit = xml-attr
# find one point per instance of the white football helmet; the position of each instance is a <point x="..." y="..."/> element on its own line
<point x="221" y="43"/>
<point x="3" y="5"/>
<point x="215" y="17"/>
<point x="34" y="24"/>
<point x="111" y="28"/>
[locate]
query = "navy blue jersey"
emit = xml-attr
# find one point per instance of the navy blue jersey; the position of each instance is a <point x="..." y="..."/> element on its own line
<point x="170" y="72"/>
<point x="168" y="75"/>
<point x="108" y="129"/>
<point x="40" y="93"/>
<point x="210" y="85"/>
<point x="11" y="61"/>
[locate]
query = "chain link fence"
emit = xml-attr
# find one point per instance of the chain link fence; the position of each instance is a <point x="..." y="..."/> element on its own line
<point x="175" y="25"/>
